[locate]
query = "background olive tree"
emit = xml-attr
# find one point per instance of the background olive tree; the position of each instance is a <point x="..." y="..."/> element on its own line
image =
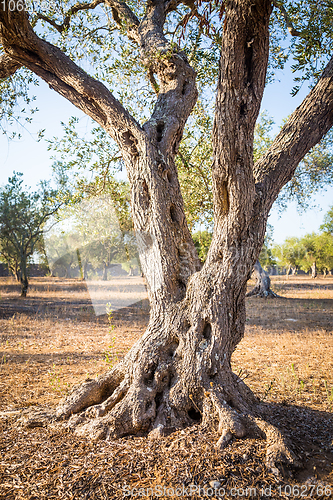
<point x="23" y="215"/>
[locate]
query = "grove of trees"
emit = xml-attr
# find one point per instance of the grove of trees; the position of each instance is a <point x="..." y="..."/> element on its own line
<point x="179" y="372"/>
<point x="88" y="234"/>
<point x="314" y="252"/>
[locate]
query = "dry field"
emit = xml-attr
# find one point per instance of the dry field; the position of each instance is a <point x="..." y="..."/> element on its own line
<point x="52" y="340"/>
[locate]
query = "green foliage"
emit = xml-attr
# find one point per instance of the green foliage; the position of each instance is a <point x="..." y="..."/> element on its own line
<point x="202" y="241"/>
<point x="290" y="253"/>
<point x="327" y="225"/>
<point x="311" y="49"/>
<point x="94" y="40"/>
<point x="323" y="246"/>
<point x="266" y="257"/>
<point x="194" y="169"/>
<point x="302" y="252"/>
<point x="17" y="103"/>
<point x="262" y="139"/>
<point x="313" y="174"/>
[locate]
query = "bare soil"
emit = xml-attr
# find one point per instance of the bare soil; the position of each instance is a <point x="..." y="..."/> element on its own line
<point x="52" y="340"/>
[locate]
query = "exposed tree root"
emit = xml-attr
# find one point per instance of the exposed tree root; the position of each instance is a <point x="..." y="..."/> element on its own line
<point x="257" y="291"/>
<point x="174" y="377"/>
<point x="90" y="411"/>
<point x="278" y="452"/>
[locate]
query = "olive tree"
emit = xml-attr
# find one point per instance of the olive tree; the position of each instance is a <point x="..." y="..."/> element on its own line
<point x="23" y="215"/>
<point x="179" y="372"/>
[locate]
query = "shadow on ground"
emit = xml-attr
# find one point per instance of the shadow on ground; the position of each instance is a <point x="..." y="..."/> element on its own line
<point x="311" y="433"/>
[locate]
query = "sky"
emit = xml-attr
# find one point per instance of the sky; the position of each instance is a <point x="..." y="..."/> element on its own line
<point x="33" y="160"/>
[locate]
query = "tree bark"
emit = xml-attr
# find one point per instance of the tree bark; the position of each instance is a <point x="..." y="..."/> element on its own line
<point x="262" y="287"/>
<point x="24" y="277"/>
<point x="179" y="373"/>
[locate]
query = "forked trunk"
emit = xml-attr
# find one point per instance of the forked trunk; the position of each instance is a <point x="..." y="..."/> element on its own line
<point x="262" y="287"/>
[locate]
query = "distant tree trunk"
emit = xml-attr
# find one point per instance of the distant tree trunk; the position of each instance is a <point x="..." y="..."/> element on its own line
<point x="262" y="287"/>
<point x="291" y="270"/>
<point x="80" y="263"/>
<point x="24" y="276"/>
<point x="105" y="271"/>
<point x="314" y="270"/>
<point x="85" y="270"/>
<point x="325" y="272"/>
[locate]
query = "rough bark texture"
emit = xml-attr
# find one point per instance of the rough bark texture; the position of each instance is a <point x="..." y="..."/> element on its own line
<point x="179" y="372"/>
<point x="262" y="287"/>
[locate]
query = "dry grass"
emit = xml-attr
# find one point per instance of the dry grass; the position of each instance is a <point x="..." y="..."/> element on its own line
<point x="52" y="340"/>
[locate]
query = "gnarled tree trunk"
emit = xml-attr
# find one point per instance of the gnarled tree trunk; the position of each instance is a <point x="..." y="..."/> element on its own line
<point x="262" y="287"/>
<point x="180" y="371"/>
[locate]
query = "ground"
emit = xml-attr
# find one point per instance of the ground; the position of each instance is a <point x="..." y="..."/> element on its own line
<point x="52" y="340"/>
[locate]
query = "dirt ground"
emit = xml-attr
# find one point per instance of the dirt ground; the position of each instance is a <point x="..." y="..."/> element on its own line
<point x="52" y="340"/>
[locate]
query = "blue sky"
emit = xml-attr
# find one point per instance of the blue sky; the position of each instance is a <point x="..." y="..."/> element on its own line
<point x="32" y="158"/>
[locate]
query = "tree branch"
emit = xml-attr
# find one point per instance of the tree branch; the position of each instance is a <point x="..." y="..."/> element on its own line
<point x="171" y="5"/>
<point x="241" y="82"/>
<point x="176" y="86"/>
<point x="122" y="13"/>
<point x="8" y="66"/>
<point x="304" y="129"/>
<point x="290" y="26"/>
<point x="63" y="75"/>
<point x="72" y="11"/>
